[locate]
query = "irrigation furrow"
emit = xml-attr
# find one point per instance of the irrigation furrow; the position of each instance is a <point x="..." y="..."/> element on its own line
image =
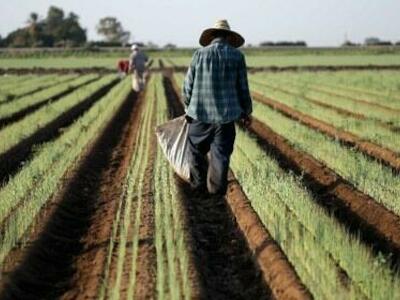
<point x="378" y="226"/>
<point x="10" y="161"/>
<point x="38" y="89"/>
<point x="70" y="252"/>
<point x="212" y="221"/>
<point x="386" y="156"/>
<point x="373" y="105"/>
<point x="277" y="270"/>
<point x="337" y="109"/>
<point x="29" y="109"/>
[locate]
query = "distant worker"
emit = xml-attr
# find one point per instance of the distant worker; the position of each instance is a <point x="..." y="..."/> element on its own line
<point x="215" y="93"/>
<point x="137" y="66"/>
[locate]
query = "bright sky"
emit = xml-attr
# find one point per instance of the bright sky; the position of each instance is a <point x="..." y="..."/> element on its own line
<point x="318" y="22"/>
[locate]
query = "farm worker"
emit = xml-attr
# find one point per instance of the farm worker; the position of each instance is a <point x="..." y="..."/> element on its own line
<point x="216" y="94"/>
<point x="137" y="66"/>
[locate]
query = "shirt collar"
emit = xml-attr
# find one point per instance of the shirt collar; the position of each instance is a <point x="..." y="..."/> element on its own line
<point x="218" y="40"/>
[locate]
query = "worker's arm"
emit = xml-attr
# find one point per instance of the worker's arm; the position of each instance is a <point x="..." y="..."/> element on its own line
<point x="189" y="80"/>
<point x="243" y="89"/>
<point x="132" y="62"/>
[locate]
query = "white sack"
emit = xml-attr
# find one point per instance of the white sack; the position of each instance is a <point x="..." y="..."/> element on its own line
<point x="173" y="139"/>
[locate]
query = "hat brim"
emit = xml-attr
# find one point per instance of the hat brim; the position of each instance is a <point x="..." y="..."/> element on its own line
<point x="233" y="38"/>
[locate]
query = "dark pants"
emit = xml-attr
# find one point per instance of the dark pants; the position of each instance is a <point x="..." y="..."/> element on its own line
<point x="217" y="140"/>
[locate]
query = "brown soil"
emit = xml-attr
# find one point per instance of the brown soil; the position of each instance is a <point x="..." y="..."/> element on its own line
<point x="17" y="254"/>
<point x="369" y="92"/>
<point x="61" y="71"/>
<point x="11" y="160"/>
<point x="319" y="68"/>
<point x="361" y="101"/>
<point x="27" y="110"/>
<point x="147" y="257"/>
<point x="339" y="110"/>
<point x="224" y="262"/>
<point x="385" y="156"/>
<point x="362" y="215"/>
<point x="12" y="97"/>
<point x="74" y="241"/>
<point x="277" y="270"/>
<point x="308" y="68"/>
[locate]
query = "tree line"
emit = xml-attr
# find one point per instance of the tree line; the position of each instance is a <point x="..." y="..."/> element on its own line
<point x="58" y="29"/>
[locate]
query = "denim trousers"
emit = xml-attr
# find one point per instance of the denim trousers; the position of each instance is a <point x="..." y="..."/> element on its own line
<point x="210" y="147"/>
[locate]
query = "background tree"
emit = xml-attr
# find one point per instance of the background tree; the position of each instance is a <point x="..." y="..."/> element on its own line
<point x="55" y="29"/>
<point x="112" y="30"/>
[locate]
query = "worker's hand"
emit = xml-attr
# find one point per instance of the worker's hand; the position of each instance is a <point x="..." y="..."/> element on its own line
<point x="246" y="121"/>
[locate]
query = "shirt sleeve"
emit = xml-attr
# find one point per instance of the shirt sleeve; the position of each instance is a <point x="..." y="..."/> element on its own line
<point x="243" y="88"/>
<point x="189" y="80"/>
<point x="132" y="61"/>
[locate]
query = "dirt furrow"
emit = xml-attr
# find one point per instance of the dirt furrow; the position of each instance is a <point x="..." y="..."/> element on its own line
<point x="385" y="156"/>
<point x="225" y="264"/>
<point x="41" y="88"/>
<point x="24" y="112"/>
<point x="147" y="258"/>
<point x="277" y="270"/>
<point x="362" y="215"/>
<point x="72" y="248"/>
<point x="11" y="160"/>
<point x="357" y="100"/>
<point x="337" y="109"/>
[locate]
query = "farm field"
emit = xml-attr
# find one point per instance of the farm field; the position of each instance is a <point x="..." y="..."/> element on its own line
<point x="181" y="57"/>
<point x="90" y="208"/>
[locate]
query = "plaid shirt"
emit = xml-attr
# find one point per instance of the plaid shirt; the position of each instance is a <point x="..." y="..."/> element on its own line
<point x="215" y="89"/>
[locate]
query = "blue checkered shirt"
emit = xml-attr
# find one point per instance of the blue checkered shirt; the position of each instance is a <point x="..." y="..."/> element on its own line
<point x="215" y="89"/>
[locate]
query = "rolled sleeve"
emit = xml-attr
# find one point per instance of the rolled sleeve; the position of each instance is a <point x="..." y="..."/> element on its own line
<point x="243" y="88"/>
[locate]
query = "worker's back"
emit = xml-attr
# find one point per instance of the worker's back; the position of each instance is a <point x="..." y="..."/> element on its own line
<point x="217" y="84"/>
<point x="138" y="61"/>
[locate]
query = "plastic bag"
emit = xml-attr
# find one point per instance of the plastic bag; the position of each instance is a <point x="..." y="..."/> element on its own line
<point x="136" y="82"/>
<point x="173" y="139"/>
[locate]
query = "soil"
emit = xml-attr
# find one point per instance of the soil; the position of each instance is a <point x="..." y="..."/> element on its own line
<point x="29" y="109"/>
<point x="386" y="156"/>
<point x="12" y="97"/>
<point x="339" y="110"/>
<point x="315" y="68"/>
<point x="61" y="71"/>
<point x="361" y="101"/>
<point x="226" y="266"/>
<point x="361" y="214"/>
<point x="147" y="257"/>
<point x="11" y="160"/>
<point x="276" y="268"/>
<point x="73" y="242"/>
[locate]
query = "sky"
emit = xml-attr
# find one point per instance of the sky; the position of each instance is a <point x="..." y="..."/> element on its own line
<point x="318" y="22"/>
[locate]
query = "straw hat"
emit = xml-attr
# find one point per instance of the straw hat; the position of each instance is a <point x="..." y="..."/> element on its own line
<point x="234" y="38"/>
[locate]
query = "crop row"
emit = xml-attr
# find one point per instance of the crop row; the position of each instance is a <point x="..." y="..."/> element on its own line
<point x="320" y="249"/>
<point x="41" y="177"/>
<point x="22" y="87"/>
<point x="350" y="85"/>
<point x="329" y="260"/>
<point x="335" y="98"/>
<point x="149" y="174"/>
<point x="48" y="94"/>
<point x="368" y="176"/>
<point x="374" y="86"/>
<point x="13" y="134"/>
<point x="367" y="129"/>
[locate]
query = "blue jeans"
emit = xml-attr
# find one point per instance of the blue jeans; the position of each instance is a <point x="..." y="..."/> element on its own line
<point x="217" y="141"/>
